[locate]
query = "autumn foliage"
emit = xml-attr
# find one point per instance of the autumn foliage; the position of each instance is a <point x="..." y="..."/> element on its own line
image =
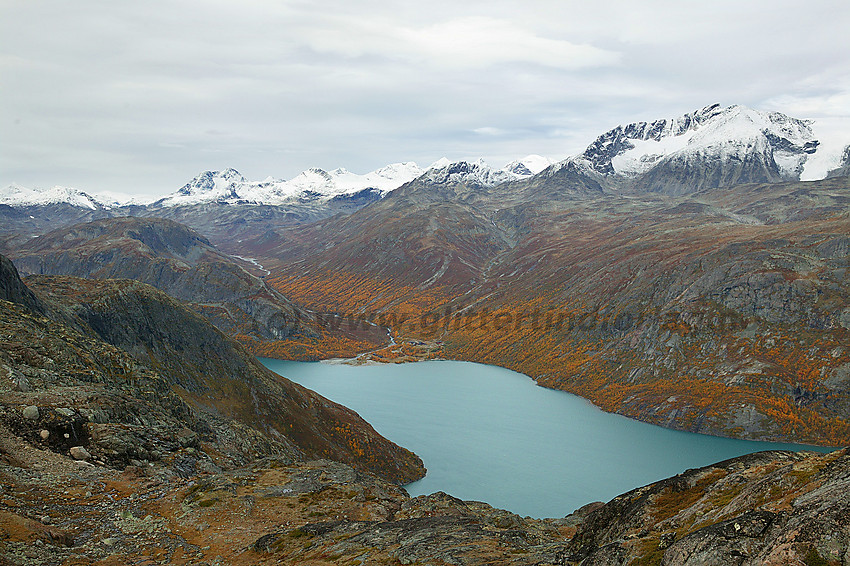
<point x="572" y="347"/>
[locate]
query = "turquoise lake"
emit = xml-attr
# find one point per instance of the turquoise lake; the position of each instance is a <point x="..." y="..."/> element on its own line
<point x="490" y="434"/>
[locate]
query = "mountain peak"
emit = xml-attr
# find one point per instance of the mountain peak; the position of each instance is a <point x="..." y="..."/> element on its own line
<point x="480" y="173"/>
<point x="529" y="165"/>
<point x="219" y="183"/>
<point x="713" y="132"/>
<point x="468" y="173"/>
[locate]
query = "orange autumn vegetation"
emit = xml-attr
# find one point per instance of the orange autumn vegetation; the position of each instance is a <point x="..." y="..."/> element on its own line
<point x="346" y="292"/>
<point x="307" y="349"/>
<point x="555" y="350"/>
<point x="555" y="358"/>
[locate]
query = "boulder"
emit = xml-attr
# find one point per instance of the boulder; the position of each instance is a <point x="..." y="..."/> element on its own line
<point x="31" y="413"/>
<point x="80" y="453"/>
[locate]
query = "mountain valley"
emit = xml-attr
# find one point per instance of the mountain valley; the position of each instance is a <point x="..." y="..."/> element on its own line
<point x="690" y="273"/>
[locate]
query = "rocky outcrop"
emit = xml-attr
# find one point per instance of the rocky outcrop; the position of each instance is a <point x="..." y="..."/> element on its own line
<point x="768" y="508"/>
<point x="771" y="508"/>
<point x="12" y="289"/>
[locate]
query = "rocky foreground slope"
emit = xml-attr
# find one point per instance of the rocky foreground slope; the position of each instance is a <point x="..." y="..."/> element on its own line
<point x="772" y="508"/>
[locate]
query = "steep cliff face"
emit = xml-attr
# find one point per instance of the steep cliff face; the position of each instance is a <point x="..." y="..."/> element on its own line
<point x="161" y="366"/>
<point x="13" y="290"/>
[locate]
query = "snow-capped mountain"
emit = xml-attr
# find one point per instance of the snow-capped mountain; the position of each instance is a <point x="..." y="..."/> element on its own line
<point x="224" y="204"/>
<point x="712" y="147"/>
<point x="19" y="197"/>
<point x="341" y="181"/>
<point x="208" y="186"/>
<point x="229" y="186"/>
<point x="726" y="133"/>
<point x="479" y="173"/>
<point x="529" y="165"/>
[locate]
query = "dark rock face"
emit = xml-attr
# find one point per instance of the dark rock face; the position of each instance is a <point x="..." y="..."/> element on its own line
<point x="354" y="201"/>
<point x="680" y="176"/>
<point x="12" y="289"/>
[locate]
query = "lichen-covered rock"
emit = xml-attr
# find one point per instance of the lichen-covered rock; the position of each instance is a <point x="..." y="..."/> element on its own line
<point x="766" y="508"/>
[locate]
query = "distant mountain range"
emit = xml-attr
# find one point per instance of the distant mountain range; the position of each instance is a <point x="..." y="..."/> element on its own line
<point x="222" y="204"/>
<point x="709" y="148"/>
<point x="720" y="145"/>
<point x="230" y="187"/>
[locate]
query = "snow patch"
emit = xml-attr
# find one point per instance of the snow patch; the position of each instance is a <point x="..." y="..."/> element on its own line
<point x="646" y="153"/>
<point x="834" y="140"/>
<point x="528" y="165"/>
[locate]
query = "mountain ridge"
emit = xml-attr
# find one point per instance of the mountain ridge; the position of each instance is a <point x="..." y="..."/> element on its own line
<point x="173" y="258"/>
<point x="779" y="147"/>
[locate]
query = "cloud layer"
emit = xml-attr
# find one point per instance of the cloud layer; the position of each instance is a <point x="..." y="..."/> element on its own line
<point x="139" y="97"/>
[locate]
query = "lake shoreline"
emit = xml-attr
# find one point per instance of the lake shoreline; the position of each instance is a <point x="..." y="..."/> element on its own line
<point x="490" y="434"/>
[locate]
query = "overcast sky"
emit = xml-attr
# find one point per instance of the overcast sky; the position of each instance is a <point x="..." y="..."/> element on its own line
<point x="139" y="97"/>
